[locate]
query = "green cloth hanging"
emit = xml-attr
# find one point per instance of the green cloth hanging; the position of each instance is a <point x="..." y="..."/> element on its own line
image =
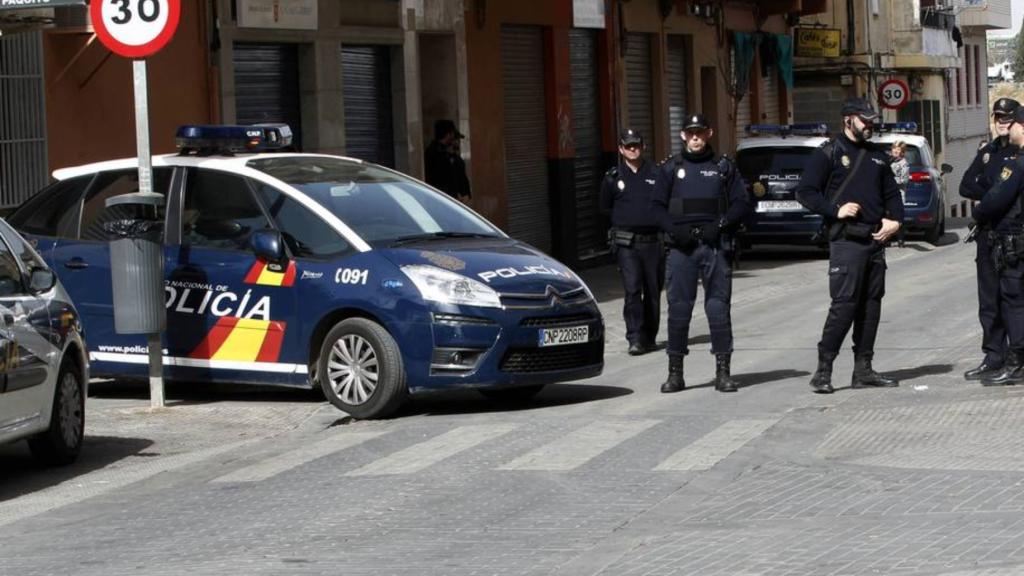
<point x="784" y="49"/>
<point x="743" y="57"/>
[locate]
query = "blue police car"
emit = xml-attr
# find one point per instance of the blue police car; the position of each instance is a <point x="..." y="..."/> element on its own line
<point x="314" y="270"/>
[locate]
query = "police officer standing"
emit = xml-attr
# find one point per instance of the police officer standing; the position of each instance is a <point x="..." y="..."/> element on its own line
<point x="848" y="181"/>
<point x="1002" y="211"/>
<point x="982" y="174"/>
<point x="626" y="198"/>
<point x="698" y="199"/>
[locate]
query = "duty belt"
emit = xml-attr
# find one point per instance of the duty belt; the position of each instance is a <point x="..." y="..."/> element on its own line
<point x="653" y="237"/>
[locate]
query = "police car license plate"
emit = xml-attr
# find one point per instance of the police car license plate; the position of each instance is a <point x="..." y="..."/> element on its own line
<point x="562" y="336"/>
<point x="779" y="206"/>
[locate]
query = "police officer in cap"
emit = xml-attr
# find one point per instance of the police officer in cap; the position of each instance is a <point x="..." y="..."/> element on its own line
<point x="983" y="172"/>
<point x="698" y="199"/>
<point x="1002" y="211"/>
<point x="848" y="181"/>
<point x="626" y="199"/>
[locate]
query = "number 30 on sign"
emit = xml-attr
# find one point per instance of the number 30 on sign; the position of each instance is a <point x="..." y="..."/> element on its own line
<point x="893" y="94"/>
<point x="135" y="28"/>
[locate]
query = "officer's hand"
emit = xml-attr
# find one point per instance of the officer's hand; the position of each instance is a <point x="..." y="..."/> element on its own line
<point x="849" y="210"/>
<point x="682" y="234"/>
<point x="711" y="232"/>
<point x="889" y="227"/>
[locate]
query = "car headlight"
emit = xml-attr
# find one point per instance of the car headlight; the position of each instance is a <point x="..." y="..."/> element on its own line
<point x="446" y="287"/>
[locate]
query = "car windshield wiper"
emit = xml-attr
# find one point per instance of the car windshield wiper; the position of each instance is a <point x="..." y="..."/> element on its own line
<point x="438" y="235"/>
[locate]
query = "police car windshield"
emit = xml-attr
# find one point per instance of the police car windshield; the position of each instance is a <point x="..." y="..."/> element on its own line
<point x="773" y="160"/>
<point x="381" y="206"/>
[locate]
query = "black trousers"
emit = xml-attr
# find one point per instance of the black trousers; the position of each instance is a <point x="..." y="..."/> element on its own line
<point x="643" y="274"/>
<point x="710" y="266"/>
<point x="993" y="329"/>
<point x="856" y="281"/>
<point x="1011" y="304"/>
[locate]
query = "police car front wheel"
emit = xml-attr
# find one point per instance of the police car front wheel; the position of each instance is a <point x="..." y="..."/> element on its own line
<point x="61" y="442"/>
<point x="360" y="369"/>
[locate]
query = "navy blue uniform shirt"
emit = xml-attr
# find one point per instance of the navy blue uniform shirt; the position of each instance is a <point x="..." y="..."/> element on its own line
<point x="997" y="206"/>
<point x="984" y="171"/>
<point x="697" y="177"/>
<point x="872" y="186"/>
<point x="626" y="197"/>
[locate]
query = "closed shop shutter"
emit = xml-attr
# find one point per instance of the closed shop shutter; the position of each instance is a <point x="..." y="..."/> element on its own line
<point x="267" y="85"/>
<point x="638" y="87"/>
<point x="678" y="105"/>
<point x="743" y="106"/>
<point x="526" y="161"/>
<point x="366" y="90"/>
<point x="818" y="104"/>
<point x="586" y="132"/>
<point x="770" y="98"/>
<point x="23" y="164"/>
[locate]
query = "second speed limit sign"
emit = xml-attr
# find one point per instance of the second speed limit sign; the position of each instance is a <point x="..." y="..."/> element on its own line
<point x="135" y="28"/>
<point x="893" y="94"/>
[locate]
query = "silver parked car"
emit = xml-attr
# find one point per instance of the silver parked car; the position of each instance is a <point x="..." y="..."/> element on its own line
<point x="44" y="370"/>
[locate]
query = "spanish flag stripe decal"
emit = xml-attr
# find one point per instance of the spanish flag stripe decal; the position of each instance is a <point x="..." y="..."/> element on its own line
<point x="269" y="278"/>
<point x="289" y="275"/>
<point x="215" y="338"/>
<point x="271" y="348"/>
<point x="244" y="342"/>
<point x="254" y="272"/>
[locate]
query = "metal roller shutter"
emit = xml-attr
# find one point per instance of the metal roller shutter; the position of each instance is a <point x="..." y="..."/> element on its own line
<point x="742" y="107"/>
<point x="267" y="85"/>
<point x="366" y="90"/>
<point x="638" y="86"/>
<point x="23" y="164"/>
<point x="678" y="106"/>
<point x="526" y="161"/>
<point x="586" y="132"/>
<point x="770" y="97"/>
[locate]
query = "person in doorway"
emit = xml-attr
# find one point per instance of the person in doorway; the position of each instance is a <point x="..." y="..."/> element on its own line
<point x="443" y="166"/>
<point x="634" y="237"/>
<point x="848" y="182"/>
<point x="699" y="199"/>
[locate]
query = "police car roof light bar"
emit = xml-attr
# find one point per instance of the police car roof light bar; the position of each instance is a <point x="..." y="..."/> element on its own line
<point x="204" y="139"/>
<point x="809" y="129"/>
<point x="897" y="127"/>
<point x="803" y="129"/>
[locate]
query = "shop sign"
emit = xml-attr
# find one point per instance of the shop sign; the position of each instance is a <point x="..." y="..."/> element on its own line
<point x="817" y="42"/>
<point x="284" y="14"/>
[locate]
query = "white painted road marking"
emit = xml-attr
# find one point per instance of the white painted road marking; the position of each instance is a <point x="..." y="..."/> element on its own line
<point x="420" y="456"/>
<point x="716" y="445"/>
<point x="284" y="462"/>
<point x="579" y="446"/>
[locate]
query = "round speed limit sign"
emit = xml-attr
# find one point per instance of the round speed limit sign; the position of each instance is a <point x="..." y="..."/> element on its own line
<point x="893" y="94"/>
<point x="135" y="28"/>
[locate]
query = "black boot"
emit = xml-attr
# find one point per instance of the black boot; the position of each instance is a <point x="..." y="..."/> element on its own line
<point x="984" y="370"/>
<point x="675" y="381"/>
<point x="865" y="377"/>
<point x="723" y="380"/>
<point x="821" y="382"/>
<point x="1012" y="372"/>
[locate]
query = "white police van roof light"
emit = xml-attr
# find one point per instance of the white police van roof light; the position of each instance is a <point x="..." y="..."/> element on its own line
<point x="897" y="127"/>
<point x="803" y="129"/>
<point x="221" y="139"/>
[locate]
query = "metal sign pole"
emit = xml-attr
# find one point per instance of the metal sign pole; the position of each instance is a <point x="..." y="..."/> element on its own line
<point x="156" y="378"/>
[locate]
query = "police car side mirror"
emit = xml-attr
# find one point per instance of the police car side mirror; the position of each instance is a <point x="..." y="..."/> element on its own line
<point x="946" y="168"/>
<point x="41" y="280"/>
<point x="268" y="245"/>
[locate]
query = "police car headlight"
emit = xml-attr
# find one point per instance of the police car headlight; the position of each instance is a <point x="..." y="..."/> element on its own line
<point x="446" y="287"/>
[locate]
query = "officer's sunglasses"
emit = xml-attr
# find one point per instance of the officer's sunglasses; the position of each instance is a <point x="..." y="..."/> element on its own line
<point x="632" y="146"/>
<point x="1004" y="119"/>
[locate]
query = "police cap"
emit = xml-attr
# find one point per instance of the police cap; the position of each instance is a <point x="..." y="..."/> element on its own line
<point x="1005" y="107"/>
<point x="696" y="122"/>
<point x="443" y="127"/>
<point x="630" y="137"/>
<point x="1018" y="115"/>
<point x="859" y="107"/>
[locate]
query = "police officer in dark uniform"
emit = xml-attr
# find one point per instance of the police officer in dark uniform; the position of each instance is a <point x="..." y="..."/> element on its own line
<point x="1002" y="211"/>
<point x="848" y="181"/>
<point x="634" y="237"/>
<point x="698" y="199"/>
<point x="983" y="173"/>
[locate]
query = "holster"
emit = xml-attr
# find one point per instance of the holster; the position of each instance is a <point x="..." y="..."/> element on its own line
<point x="856" y="231"/>
<point x="621" y="238"/>
<point x="1007" y="250"/>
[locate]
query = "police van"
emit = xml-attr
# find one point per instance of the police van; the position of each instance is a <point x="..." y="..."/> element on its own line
<point x="308" y="270"/>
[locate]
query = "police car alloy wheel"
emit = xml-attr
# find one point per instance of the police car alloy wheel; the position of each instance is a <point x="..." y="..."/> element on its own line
<point x="360" y="369"/>
<point x="62" y="441"/>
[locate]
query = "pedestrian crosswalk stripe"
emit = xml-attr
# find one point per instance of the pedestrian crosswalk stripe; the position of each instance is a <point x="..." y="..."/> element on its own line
<point x="579" y="446"/>
<point x="716" y="445"/>
<point x="424" y="454"/>
<point x="292" y="459"/>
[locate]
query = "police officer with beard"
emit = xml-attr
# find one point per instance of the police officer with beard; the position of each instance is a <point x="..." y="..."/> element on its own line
<point x="626" y="199"/>
<point x="982" y="174"/>
<point x="848" y="181"/>
<point x="1002" y="211"/>
<point x="698" y="199"/>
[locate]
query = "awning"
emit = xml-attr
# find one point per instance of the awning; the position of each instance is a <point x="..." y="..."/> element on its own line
<point x="33" y="4"/>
